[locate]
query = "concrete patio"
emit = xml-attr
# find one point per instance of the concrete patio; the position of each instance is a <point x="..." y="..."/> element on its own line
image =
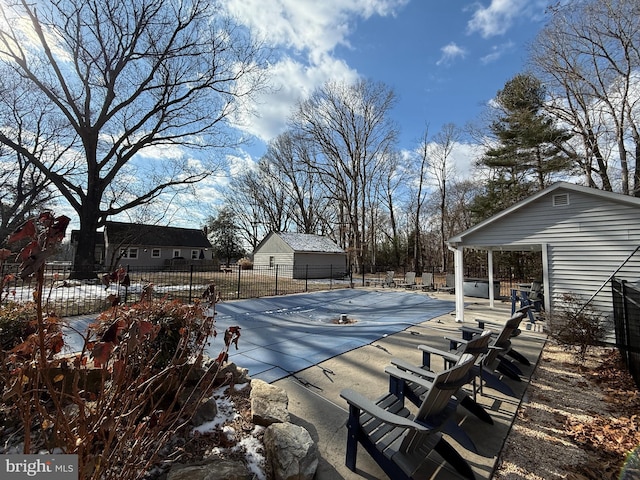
<point x="315" y="402"/>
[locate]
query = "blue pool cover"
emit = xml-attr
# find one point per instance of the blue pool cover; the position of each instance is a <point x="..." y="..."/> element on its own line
<point x="286" y="334"/>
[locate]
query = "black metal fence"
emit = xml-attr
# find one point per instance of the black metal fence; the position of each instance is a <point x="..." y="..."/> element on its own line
<point x="64" y="296"/>
<point x="626" y="313"/>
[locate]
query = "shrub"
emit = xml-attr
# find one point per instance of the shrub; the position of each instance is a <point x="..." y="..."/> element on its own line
<point x="577" y="325"/>
<point x="17" y="322"/>
<point x="137" y="381"/>
<point x="245" y="264"/>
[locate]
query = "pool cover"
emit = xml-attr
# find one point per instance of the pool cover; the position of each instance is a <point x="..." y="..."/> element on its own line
<point x="286" y="334"/>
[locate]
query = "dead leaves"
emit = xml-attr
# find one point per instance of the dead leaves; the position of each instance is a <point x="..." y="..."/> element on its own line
<point x="608" y="438"/>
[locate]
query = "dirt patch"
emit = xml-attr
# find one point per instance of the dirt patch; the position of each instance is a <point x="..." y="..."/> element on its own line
<point x="579" y="420"/>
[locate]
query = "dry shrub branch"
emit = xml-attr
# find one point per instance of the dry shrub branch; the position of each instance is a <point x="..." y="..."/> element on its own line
<point x="136" y="383"/>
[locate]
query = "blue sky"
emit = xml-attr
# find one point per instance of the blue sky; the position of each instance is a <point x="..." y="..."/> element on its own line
<point x="444" y="59"/>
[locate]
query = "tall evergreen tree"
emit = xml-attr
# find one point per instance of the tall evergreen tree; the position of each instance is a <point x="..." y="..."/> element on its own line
<point x="529" y="145"/>
<point x="527" y="154"/>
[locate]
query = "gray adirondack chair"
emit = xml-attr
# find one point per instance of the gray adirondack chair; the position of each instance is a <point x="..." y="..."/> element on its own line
<point x="477" y="347"/>
<point x="409" y="280"/>
<point x="500" y="345"/>
<point x="450" y="284"/>
<point x="399" y="442"/>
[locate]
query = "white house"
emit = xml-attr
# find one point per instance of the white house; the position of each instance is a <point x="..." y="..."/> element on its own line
<point x="585" y="236"/>
<point x="301" y="255"/>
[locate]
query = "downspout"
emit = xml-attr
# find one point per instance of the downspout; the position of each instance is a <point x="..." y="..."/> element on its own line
<point x="459" y="281"/>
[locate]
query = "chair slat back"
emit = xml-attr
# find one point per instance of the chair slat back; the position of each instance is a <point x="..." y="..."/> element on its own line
<point x="444" y="386"/>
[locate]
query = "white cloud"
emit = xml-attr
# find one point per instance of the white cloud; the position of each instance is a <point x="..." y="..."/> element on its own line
<point x="291" y="81"/>
<point x="450" y="53"/>
<point x="497" y="18"/>
<point x="309" y="31"/>
<point x="497" y="51"/>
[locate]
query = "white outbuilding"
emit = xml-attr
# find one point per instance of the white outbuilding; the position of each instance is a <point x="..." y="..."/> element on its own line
<point x="301" y="255"/>
<point x="585" y="237"/>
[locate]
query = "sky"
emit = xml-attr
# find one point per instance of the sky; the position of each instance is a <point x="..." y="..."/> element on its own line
<point x="445" y="60"/>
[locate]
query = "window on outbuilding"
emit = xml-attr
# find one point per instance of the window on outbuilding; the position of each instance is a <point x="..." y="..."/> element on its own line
<point x="155" y="253"/>
<point x="176" y="253"/>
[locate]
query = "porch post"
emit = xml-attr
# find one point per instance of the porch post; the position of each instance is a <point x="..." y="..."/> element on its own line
<point x="459" y="272"/>
<point x="490" y="265"/>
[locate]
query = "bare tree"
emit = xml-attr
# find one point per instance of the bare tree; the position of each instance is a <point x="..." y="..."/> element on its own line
<point x="588" y="57"/>
<point x="442" y="171"/>
<point x="126" y="80"/>
<point x="289" y="158"/>
<point x="350" y="126"/>
<point x="420" y="170"/>
<point x="24" y="190"/>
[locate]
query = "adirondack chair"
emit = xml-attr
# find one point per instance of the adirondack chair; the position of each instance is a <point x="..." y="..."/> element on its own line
<point x="477" y="347"/>
<point x="387" y="281"/>
<point x="426" y="283"/>
<point x="398" y="441"/>
<point x="450" y="284"/>
<point x="409" y="280"/>
<point x="494" y="359"/>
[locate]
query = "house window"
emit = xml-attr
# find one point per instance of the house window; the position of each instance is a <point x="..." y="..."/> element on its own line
<point x="272" y="262"/>
<point x="194" y="254"/>
<point x="176" y="253"/>
<point x="155" y="253"/>
<point x="129" y="253"/>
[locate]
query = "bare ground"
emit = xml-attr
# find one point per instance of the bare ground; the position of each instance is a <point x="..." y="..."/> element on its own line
<point x="579" y="420"/>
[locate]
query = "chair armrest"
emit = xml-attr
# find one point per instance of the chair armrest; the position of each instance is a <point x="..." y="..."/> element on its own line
<point x="354" y="399"/>
<point x="414" y="369"/>
<point x="452" y="357"/>
<point x="471" y="329"/>
<point x="408" y="377"/>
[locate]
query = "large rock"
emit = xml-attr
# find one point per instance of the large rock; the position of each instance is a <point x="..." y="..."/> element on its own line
<point x="205" y="412"/>
<point x="214" y="470"/>
<point x="269" y="404"/>
<point x="290" y="452"/>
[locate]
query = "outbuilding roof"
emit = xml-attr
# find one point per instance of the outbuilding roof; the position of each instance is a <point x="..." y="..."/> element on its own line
<point x="306" y="242"/>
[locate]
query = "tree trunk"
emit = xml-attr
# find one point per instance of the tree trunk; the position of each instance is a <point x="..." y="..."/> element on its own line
<point x="84" y="261"/>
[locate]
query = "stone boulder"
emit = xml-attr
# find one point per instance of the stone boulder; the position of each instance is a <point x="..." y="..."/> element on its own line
<point x="269" y="404"/>
<point x="290" y="452"/>
<point x="206" y="411"/>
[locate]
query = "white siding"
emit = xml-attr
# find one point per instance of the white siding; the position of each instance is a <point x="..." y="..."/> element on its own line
<point x="587" y="239"/>
<point x="276" y="248"/>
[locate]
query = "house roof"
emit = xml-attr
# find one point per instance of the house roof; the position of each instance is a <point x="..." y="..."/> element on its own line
<point x="552" y="189"/>
<point x="155" y="235"/>
<point x="306" y="242"/>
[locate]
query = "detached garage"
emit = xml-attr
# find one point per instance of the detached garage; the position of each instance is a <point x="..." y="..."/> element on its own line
<point x="584" y="235"/>
<point x="303" y="255"/>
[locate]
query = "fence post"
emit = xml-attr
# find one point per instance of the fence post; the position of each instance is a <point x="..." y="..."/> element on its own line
<point x="330" y="276"/>
<point x="276" y="293"/>
<point x="306" y="278"/>
<point x="238" y="289"/>
<point x="625" y="325"/>
<point x="190" y="282"/>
